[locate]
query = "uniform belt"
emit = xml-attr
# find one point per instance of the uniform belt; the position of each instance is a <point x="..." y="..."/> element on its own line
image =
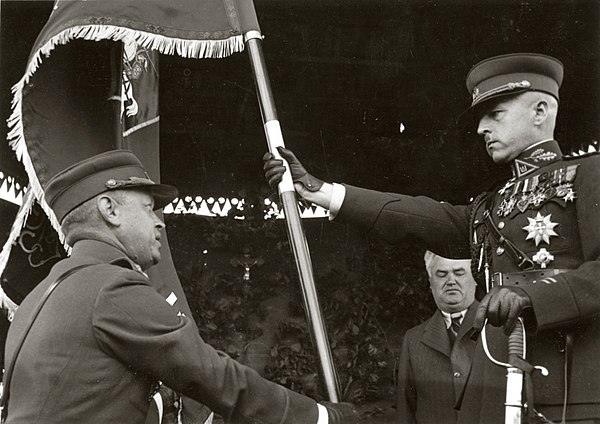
<point x="523" y="277"/>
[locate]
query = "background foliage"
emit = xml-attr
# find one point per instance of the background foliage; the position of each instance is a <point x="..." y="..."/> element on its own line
<point x="368" y="296"/>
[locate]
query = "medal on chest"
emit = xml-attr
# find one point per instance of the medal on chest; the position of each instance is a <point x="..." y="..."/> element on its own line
<point x="534" y="191"/>
<point x="541" y="229"/>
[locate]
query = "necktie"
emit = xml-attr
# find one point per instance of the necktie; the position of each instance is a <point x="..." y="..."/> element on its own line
<point x="454" y="326"/>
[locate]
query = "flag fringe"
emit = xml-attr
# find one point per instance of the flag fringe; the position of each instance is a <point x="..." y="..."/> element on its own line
<point x="194" y="49"/>
<point x="198" y="49"/>
<point x="16" y="139"/>
<point x="16" y="228"/>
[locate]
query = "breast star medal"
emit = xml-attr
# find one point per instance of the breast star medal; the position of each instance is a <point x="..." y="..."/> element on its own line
<point x="540" y="228"/>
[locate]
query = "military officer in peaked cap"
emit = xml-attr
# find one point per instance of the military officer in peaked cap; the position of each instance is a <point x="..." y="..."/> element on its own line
<point x="91" y="342"/>
<point x="536" y="237"/>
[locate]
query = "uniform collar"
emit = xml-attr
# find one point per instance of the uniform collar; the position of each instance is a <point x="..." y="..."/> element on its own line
<point x="535" y="157"/>
<point x="103" y="252"/>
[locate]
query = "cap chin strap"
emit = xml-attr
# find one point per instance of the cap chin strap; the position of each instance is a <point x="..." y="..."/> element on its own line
<point x="479" y="97"/>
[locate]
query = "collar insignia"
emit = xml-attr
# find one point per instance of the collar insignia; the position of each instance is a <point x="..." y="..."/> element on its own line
<point x="524" y="168"/>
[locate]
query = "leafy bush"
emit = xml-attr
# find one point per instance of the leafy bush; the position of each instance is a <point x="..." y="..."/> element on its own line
<point x="367" y="300"/>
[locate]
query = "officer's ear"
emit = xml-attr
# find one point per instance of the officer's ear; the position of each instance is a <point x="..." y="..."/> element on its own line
<point x="541" y="111"/>
<point x="108" y="208"/>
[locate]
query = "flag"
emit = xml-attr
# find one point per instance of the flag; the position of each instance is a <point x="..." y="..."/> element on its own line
<point x="60" y="110"/>
<point x="75" y="101"/>
<point x="135" y="108"/>
<point x="52" y="103"/>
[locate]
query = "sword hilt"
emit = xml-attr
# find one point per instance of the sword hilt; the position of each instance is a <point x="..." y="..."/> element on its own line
<point x="516" y="346"/>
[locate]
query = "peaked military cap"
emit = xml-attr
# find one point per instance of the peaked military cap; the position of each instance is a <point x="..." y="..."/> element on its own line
<point x="112" y="170"/>
<point x="512" y="74"/>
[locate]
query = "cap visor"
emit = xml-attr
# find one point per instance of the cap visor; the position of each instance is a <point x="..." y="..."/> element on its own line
<point x="163" y="194"/>
<point x="470" y="117"/>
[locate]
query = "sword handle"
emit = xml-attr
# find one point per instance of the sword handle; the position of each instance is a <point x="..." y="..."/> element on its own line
<point x="514" y="376"/>
<point x="516" y="342"/>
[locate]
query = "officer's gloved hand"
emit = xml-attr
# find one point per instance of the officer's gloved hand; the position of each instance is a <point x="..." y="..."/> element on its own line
<point x="341" y="413"/>
<point x="274" y="170"/>
<point x="502" y="306"/>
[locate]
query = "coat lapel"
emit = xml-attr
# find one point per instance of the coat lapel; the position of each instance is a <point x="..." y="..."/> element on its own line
<point x="435" y="334"/>
<point x="463" y="351"/>
<point x="466" y="328"/>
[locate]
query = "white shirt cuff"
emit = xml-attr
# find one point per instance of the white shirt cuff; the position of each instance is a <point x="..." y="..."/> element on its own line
<point x="338" y="194"/>
<point x="323" y="415"/>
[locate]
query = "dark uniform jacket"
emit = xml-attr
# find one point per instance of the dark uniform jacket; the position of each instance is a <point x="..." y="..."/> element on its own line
<point x="550" y="212"/>
<point x="433" y="372"/>
<point x="106" y="336"/>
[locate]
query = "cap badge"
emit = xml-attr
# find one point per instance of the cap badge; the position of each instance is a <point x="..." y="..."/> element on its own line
<point x="131" y="181"/>
<point x="522" y="84"/>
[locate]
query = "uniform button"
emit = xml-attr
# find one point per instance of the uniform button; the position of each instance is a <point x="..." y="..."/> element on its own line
<point x="499" y="250"/>
<point x="501" y="225"/>
<point x="456" y="375"/>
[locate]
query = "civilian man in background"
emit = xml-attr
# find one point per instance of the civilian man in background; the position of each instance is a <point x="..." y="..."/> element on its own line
<point x="436" y="355"/>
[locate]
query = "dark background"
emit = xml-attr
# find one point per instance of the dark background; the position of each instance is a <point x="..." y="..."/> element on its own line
<point x="345" y="76"/>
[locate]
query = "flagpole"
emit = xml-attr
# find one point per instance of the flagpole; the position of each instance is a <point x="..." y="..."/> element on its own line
<point x="296" y="234"/>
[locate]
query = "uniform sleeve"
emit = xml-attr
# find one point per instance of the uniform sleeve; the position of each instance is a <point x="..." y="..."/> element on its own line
<point x="406" y="393"/>
<point x="565" y="299"/>
<point x="133" y="323"/>
<point x="442" y="227"/>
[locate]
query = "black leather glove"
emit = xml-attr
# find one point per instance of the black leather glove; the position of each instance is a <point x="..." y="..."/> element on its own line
<point x="274" y="170"/>
<point x="341" y="413"/>
<point x="502" y="306"/>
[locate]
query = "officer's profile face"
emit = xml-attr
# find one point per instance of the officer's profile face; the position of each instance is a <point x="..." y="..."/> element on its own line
<point x="140" y="228"/>
<point x="507" y="127"/>
<point x="452" y="284"/>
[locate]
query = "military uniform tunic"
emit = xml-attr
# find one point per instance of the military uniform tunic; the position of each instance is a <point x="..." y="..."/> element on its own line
<point x="104" y="338"/>
<point x="549" y="214"/>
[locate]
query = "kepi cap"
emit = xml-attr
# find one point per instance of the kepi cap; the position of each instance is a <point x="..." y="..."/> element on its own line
<point x="512" y="74"/>
<point x="112" y="170"/>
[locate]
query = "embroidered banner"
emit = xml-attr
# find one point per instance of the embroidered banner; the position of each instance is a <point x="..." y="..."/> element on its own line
<point x="74" y="100"/>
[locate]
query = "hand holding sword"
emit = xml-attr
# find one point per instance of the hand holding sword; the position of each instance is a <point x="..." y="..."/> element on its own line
<point x="502" y="306"/>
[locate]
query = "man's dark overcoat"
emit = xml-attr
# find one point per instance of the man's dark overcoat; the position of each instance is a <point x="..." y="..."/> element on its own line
<point x="433" y="372"/>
